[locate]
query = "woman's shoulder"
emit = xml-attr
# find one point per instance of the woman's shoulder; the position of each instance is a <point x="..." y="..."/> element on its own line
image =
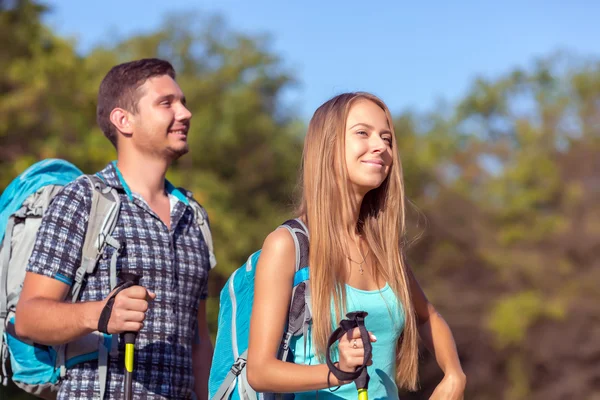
<point x="278" y="253"/>
<point x="279" y="242"/>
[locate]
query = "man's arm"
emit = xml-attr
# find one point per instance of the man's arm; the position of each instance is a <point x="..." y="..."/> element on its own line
<point x="202" y="353"/>
<point x="44" y="317"/>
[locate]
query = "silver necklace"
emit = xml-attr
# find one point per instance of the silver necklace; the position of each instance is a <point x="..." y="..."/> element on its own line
<point x="360" y="264"/>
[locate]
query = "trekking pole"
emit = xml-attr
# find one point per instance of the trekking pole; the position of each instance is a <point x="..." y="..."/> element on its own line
<point x="362" y="385"/>
<point x="362" y="382"/>
<point x="129" y="343"/>
<point x="360" y="376"/>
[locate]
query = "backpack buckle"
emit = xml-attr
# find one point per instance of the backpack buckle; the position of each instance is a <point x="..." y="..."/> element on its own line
<point x="80" y="274"/>
<point x="286" y="341"/>
<point x="238" y="366"/>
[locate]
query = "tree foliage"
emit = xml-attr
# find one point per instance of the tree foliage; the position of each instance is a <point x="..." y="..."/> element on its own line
<point x="504" y="187"/>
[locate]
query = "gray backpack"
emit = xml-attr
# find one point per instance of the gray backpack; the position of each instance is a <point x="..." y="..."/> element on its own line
<point x="33" y="367"/>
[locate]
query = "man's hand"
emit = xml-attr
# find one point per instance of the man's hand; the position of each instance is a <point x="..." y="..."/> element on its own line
<point x="129" y="309"/>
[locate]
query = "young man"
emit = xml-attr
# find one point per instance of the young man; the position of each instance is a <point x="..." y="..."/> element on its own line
<point x="142" y="111"/>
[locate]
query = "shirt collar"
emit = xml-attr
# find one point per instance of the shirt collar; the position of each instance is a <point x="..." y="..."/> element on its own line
<point x="113" y="177"/>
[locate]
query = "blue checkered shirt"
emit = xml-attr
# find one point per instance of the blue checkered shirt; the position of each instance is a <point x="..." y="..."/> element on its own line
<point x="173" y="263"/>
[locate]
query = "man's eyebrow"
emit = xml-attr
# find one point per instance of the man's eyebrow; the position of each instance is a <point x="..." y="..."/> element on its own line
<point x="170" y="97"/>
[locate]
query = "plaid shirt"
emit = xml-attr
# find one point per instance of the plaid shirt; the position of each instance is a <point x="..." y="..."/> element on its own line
<point x="173" y="263"/>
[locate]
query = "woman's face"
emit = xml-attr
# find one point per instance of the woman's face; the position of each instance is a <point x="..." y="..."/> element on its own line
<point x="368" y="146"/>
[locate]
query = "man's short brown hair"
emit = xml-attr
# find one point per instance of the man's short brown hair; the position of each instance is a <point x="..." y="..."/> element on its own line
<point x="119" y="89"/>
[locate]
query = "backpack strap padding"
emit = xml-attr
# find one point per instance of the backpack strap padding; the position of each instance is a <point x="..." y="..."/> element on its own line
<point x="205" y="229"/>
<point x="4" y="261"/>
<point x="102" y="369"/>
<point x="297" y="315"/>
<point x="228" y="384"/>
<point x="4" y="363"/>
<point x="246" y="391"/>
<point x="296" y="246"/>
<point x="104" y="213"/>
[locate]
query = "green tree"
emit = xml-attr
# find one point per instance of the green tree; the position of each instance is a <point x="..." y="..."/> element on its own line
<point x="512" y="213"/>
<point x="504" y="185"/>
<point x="245" y="148"/>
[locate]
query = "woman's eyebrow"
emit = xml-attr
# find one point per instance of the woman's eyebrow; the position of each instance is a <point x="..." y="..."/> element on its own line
<point x="370" y="127"/>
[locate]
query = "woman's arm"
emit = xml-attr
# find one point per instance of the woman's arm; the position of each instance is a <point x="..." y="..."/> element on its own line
<point x="272" y="295"/>
<point x="437" y="337"/>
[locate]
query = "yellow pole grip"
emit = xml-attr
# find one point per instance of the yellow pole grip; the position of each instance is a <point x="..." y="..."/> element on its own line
<point x="129" y="356"/>
<point x="363" y="394"/>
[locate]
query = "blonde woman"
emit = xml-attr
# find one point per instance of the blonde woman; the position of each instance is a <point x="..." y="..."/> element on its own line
<point x="353" y="205"/>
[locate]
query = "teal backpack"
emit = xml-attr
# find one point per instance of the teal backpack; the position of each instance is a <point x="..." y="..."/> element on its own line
<point x="34" y="367"/>
<point x="228" y="371"/>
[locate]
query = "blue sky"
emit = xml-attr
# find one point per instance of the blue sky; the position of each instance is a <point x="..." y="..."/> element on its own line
<point x="412" y="55"/>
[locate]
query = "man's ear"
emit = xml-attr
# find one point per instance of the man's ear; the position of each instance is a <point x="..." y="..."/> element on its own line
<point x="121" y="119"/>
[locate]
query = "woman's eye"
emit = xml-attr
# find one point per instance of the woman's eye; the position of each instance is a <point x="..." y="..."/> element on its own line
<point x="363" y="133"/>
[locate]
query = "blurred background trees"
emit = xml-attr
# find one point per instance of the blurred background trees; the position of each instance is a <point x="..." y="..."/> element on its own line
<point x="505" y="185"/>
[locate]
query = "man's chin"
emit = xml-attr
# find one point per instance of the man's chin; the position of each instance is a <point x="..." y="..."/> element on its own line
<point x="173" y="153"/>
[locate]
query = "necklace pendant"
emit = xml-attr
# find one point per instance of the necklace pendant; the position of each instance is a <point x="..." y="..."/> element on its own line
<point x="360" y="270"/>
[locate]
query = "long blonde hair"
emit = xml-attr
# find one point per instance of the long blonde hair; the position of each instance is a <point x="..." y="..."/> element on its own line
<point x="326" y="205"/>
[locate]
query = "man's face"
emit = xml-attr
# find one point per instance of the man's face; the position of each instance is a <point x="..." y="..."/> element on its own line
<point x="162" y="121"/>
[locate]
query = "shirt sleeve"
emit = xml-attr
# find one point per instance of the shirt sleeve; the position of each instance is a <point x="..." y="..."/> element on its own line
<point x="60" y="238"/>
<point x="204" y="293"/>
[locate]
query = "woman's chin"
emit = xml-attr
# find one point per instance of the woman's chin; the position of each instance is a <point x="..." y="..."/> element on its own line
<point x="366" y="187"/>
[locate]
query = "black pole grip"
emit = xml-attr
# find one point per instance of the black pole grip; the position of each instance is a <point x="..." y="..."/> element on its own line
<point x="362" y="382"/>
<point x="360" y="376"/>
<point x="129" y="279"/>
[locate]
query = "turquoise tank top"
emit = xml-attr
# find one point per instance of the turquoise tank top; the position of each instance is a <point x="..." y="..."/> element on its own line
<point x="386" y="322"/>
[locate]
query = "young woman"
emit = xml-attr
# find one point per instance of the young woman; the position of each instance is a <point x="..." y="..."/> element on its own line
<point x="353" y="205"/>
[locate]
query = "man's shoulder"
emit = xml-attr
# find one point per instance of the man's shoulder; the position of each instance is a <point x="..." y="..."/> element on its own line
<point x="191" y="199"/>
<point x="75" y="192"/>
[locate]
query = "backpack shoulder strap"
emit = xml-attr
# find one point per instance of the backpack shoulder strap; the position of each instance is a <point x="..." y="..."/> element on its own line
<point x="201" y="218"/>
<point x="104" y="213"/>
<point x="300" y="312"/>
<point x="300" y="236"/>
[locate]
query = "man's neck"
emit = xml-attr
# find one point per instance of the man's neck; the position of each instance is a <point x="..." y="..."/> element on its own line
<point x="144" y="175"/>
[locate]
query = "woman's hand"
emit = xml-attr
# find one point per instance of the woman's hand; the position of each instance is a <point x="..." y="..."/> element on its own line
<point x="352" y="351"/>
<point x="452" y="387"/>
